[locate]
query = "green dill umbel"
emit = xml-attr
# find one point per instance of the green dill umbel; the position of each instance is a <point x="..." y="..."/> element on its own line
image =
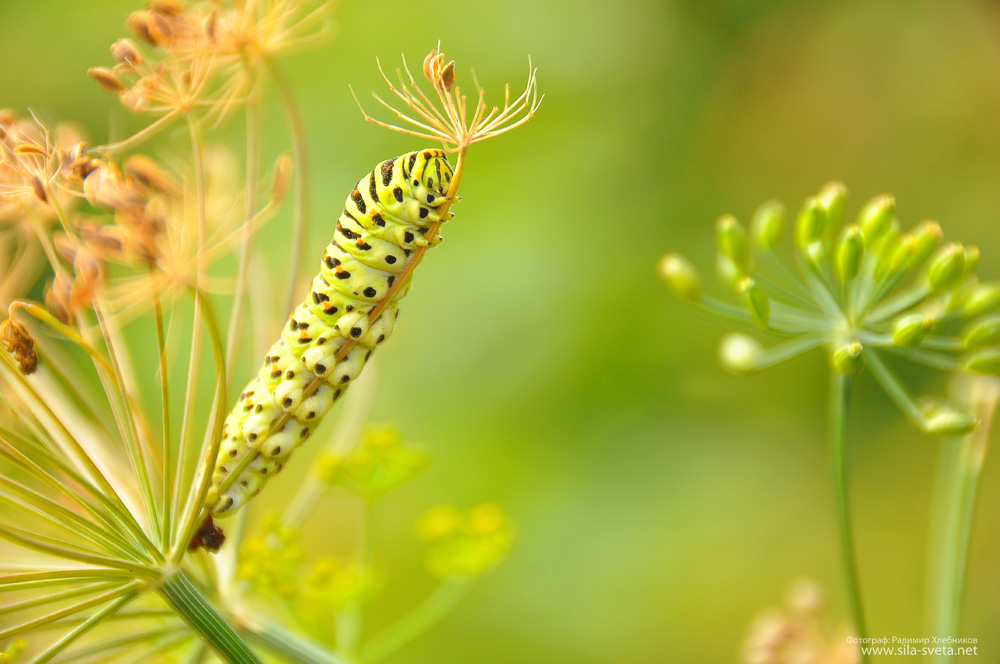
<point x="870" y="294"/>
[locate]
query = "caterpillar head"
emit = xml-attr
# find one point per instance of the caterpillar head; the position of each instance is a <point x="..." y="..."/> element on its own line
<point x="430" y="175"/>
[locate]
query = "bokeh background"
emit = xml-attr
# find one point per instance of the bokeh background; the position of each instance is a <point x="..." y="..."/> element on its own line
<point x="660" y="503"/>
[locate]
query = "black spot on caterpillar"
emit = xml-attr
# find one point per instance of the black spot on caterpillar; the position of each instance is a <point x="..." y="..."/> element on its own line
<point x="384" y="211"/>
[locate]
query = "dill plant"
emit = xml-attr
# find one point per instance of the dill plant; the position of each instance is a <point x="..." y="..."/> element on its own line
<point x="864" y="292"/>
<point x="103" y="479"/>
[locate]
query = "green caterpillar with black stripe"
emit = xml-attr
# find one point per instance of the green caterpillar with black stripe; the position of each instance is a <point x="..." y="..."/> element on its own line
<point x="386" y="217"/>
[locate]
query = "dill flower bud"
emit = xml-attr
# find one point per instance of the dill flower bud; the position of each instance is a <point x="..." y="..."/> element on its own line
<point x="985" y="361"/>
<point x="971" y="259"/>
<point x="848" y="359"/>
<point x="876" y="217"/>
<point x="981" y="299"/>
<point x="755" y="299"/>
<point x="946" y="266"/>
<point x="815" y="255"/>
<point x="850" y="251"/>
<point x="911" y="329"/>
<point x="727" y="272"/>
<point x="928" y="235"/>
<point x="832" y="200"/>
<point x="739" y="353"/>
<point x="768" y="225"/>
<point x="733" y="242"/>
<point x="983" y="332"/>
<point x="681" y="277"/>
<point x="904" y="254"/>
<point x="811" y="223"/>
<point x="945" y="418"/>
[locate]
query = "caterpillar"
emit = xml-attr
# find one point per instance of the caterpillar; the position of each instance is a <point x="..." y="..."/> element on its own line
<point x="329" y="337"/>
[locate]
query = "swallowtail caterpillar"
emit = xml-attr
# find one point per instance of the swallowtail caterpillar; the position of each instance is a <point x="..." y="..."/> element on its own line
<point x="332" y="333"/>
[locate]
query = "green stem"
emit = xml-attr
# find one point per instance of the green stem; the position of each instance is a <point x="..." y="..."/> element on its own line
<point x="840" y="386"/>
<point x="951" y="529"/>
<point x="293" y="647"/>
<point x="349" y="622"/>
<point x="300" y="155"/>
<point x="436" y="606"/>
<point x="253" y="133"/>
<point x="192" y="606"/>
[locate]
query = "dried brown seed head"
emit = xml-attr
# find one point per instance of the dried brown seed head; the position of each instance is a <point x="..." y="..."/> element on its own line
<point x="125" y="51"/>
<point x="15" y="338"/>
<point x="138" y="22"/>
<point x="161" y="27"/>
<point x="150" y="175"/>
<point x="168" y="7"/>
<point x="30" y="150"/>
<point x="65" y="245"/>
<point x="106" y="79"/>
<point x="57" y="298"/>
<point x="441" y="75"/>
<point x="39" y="188"/>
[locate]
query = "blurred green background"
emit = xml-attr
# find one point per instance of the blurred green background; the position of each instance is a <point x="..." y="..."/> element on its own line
<point x="661" y="503"/>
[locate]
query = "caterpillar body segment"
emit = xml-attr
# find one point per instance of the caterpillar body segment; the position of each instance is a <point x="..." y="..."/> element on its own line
<point x="385" y="217"/>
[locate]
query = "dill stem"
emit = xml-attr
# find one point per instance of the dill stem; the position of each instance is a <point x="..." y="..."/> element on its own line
<point x="293" y="647"/>
<point x="253" y="131"/>
<point x="132" y="440"/>
<point x="46" y="509"/>
<point x="349" y="621"/>
<point x="125" y="595"/>
<point x="437" y="605"/>
<point x="148" y="637"/>
<point x="140" y="136"/>
<point x="212" y="438"/>
<point x="191" y="388"/>
<point x="194" y="608"/>
<point x="166" y="438"/>
<point x="108" y="490"/>
<point x="300" y="157"/>
<point x="840" y="386"/>
<point x="121" y="594"/>
<point x="27" y="463"/>
<point x="951" y="528"/>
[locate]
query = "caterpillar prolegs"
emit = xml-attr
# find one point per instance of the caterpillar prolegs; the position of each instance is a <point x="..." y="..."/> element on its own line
<point x="331" y="334"/>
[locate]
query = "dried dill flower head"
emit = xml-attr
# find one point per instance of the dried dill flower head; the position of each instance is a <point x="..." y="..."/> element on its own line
<point x="799" y="633"/>
<point x="861" y="291"/>
<point x="37" y="169"/>
<point x="205" y="58"/>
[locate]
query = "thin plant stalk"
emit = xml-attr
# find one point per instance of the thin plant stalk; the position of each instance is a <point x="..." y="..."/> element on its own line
<point x="167" y="440"/>
<point x="840" y="386"/>
<point x="191" y="389"/>
<point x="253" y="132"/>
<point x="349" y="621"/>
<point x="293" y="647"/>
<point x="954" y="507"/>
<point x="416" y="622"/>
<point x="300" y="157"/>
